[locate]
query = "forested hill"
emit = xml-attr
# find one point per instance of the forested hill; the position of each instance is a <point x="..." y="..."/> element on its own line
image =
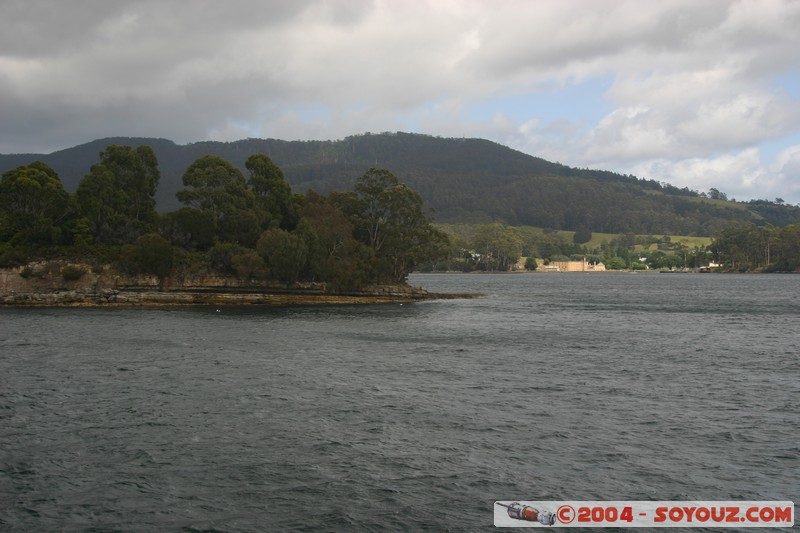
<point x="463" y="180"/>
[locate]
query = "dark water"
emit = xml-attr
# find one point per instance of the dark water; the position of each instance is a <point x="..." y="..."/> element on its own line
<point x="401" y="418"/>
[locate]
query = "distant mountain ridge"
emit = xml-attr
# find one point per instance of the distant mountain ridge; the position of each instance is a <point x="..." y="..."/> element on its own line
<point x="462" y="179"/>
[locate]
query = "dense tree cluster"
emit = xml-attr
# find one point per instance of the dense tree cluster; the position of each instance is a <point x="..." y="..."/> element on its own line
<point x="253" y="227"/>
<point x="746" y="247"/>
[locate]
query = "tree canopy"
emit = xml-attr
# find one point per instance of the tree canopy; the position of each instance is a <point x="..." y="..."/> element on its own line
<point x="32" y="204"/>
<point x="254" y="227"/>
<point x="116" y="200"/>
<point x="388" y="217"/>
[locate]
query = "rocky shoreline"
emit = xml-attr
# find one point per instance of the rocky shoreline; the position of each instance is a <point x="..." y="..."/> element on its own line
<point x="46" y="285"/>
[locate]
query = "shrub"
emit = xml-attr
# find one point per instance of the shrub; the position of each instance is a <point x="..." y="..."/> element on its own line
<point x="72" y="272"/>
<point x="582" y="236"/>
<point x="220" y="257"/>
<point x="26" y="272"/>
<point x="12" y="258"/>
<point x="249" y="265"/>
<point x="154" y="255"/>
<point x="615" y="263"/>
<point x="284" y="254"/>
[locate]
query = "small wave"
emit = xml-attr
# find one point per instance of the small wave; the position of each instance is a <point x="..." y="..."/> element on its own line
<point x="555" y="435"/>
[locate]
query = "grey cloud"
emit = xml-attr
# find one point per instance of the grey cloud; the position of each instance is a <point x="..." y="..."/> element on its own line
<point x="74" y="71"/>
<point x="32" y="28"/>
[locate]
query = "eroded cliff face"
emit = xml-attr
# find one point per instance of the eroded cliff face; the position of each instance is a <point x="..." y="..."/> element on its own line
<point x="62" y="283"/>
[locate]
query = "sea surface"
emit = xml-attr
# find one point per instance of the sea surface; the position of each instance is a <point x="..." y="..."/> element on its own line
<point x="416" y="417"/>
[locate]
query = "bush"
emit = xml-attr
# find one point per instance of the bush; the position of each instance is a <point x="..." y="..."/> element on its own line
<point x="192" y="262"/>
<point x="72" y="273"/>
<point x="582" y="236"/>
<point x="26" y="272"/>
<point x="615" y="263"/>
<point x="284" y="254"/>
<point x="249" y="265"/>
<point x="12" y="258"/>
<point x="154" y="255"/>
<point x="220" y="257"/>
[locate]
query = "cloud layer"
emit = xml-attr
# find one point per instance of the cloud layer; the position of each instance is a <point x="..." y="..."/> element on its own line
<point x="699" y="94"/>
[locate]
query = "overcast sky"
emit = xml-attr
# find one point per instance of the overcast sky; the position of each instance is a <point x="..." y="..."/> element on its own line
<point x="699" y="94"/>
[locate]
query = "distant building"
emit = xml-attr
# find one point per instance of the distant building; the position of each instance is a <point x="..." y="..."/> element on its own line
<point x="575" y="266"/>
<point x="710" y="268"/>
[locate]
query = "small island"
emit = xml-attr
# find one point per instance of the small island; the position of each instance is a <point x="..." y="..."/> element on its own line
<point x="236" y="241"/>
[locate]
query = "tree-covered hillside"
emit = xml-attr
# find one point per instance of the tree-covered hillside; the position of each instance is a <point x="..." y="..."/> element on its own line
<point x="462" y="180"/>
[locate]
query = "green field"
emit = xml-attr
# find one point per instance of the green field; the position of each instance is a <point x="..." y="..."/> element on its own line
<point x="598" y="238"/>
<point x="690" y="242"/>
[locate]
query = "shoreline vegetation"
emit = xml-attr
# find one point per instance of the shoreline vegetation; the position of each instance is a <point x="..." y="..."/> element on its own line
<point x="238" y="240"/>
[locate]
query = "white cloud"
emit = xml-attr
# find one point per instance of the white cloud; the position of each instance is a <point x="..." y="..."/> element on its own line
<point x="741" y="175"/>
<point x="786" y="168"/>
<point x="693" y="83"/>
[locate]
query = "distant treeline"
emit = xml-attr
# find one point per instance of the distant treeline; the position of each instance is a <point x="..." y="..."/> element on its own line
<point x="739" y="247"/>
<point x="745" y="247"/>
<point x="253" y="227"/>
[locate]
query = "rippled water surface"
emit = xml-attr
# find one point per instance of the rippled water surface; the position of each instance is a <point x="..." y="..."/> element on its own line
<point x="401" y="417"/>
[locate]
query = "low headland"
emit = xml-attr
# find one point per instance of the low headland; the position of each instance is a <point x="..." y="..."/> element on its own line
<point x="49" y="284"/>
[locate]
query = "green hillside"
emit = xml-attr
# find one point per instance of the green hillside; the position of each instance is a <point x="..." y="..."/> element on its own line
<point x="462" y="180"/>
